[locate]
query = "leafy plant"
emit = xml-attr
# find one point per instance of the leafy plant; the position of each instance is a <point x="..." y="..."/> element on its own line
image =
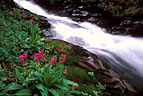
<point x="91" y="74"/>
<point x="17" y="35"/>
<point x="2" y="86"/>
<point x="48" y="80"/>
<point x="99" y="90"/>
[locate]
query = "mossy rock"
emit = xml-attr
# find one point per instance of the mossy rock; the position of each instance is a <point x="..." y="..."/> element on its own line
<point x="79" y="75"/>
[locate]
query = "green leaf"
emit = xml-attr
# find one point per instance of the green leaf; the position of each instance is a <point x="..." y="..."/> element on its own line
<point x="73" y="91"/>
<point x="68" y="82"/>
<point x="37" y="37"/>
<point x="47" y="72"/>
<point x="13" y="86"/>
<point x="19" y="76"/>
<point x="2" y="85"/>
<point x="62" y="87"/>
<point x="43" y="89"/>
<point x="29" y="80"/>
<point x="39" y="76"/>
<point x="100" y="86"/>
<point x="24" y="92"/>
<point x="54" y="92"/>
<point x="58" y="73"/>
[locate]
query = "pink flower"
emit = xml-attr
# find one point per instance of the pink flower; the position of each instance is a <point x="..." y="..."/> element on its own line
<point x="38" y="55"/>
<point x="13" y="8"/>
<point x="55" y="59"/>
<point x="11" y="13"/>
<point x="31" y="20"/>
<point x="21" y="58"/>
<point x="36" y="60"/>
<point x="65" y="72"/>
<point x="51" y="62"/>
<point x="42" y="51"/>
<point x="23" y="15"/>
<point x="63" y="57"/>
<point x="25" y="54"/>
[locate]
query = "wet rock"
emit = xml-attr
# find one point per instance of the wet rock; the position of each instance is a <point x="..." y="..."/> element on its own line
<point x="95" y="14"/>
<point x="92" y="19"/>
<point x="78" y="12"/>
<point x="110" y="77"/>
<point x="44" y="24"/>
<point x="80" y="7"/>
<point x="125" y="22"/>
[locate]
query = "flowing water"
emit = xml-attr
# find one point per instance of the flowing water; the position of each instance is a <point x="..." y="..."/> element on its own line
<point x="122" y="53"/>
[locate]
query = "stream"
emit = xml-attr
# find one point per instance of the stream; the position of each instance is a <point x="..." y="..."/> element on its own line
<point x="124" y="54"/>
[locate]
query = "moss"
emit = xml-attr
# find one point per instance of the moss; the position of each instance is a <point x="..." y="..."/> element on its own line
<point x="89" y="88"/>
<point x="77" y="74"/>
<point x="115" y="92"/>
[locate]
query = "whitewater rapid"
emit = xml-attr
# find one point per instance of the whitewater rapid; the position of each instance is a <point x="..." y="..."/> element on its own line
<point x="124" y="53"/>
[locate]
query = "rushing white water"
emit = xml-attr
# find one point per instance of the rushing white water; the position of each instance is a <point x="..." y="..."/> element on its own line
<point x="120" y="51"/>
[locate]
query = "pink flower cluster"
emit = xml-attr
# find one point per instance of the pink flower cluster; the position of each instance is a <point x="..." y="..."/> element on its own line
<point x="39" y="55"/>
<point x="21" y="58"/>
<point x="66" y="72"/>
<point x="10" y="13"/>
<point x="63" y="57"/>
<point x="31" y="20"/>
<point x="51" y="62"/>
<point x="13" y="8"/>
<point x="23" y="15"/>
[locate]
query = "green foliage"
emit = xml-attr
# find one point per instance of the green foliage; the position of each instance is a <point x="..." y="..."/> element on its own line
<point x="99" y="89"/>
<point x="52" y="48"/>
<point x="2" y="73"/>
<point x="2" y="86"/>
<point x="17" y="35"/>
<point x="47" y="81"/>
<point x="91" y="90"/>
<point x="91" y="74"/>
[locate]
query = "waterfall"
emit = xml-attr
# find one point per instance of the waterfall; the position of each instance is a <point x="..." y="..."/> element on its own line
<point x="123" y="53"/>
